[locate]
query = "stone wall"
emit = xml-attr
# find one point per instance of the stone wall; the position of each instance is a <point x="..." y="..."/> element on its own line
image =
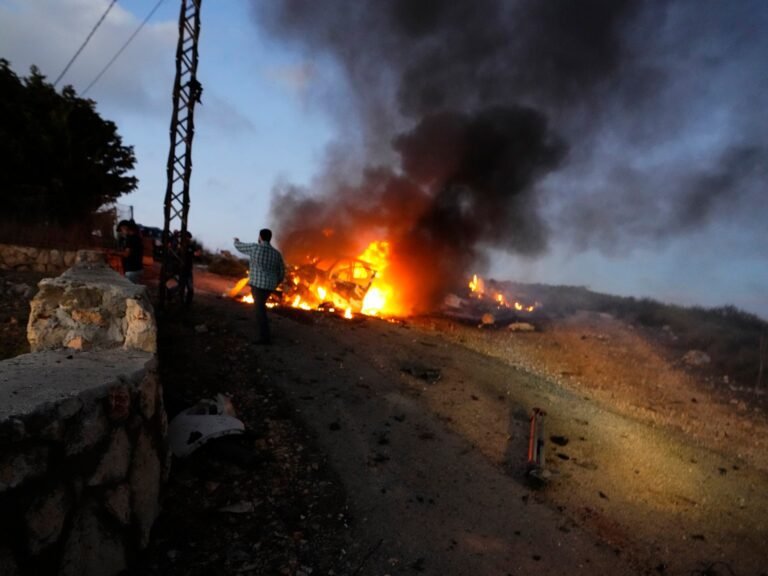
<point x="83" y="444"/>
<point x="35" y="259"/>
<point x="91" y="306"/>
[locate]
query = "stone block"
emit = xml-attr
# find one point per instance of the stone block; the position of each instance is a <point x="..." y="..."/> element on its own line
<point x="144" y="479"/>
<point x="87" y="432"/>
<point x="117" y="501"/>
<point x="118" y="403"/>
<point x="22" y="463"/>
<point x="113" y="465"/>
<point x="93" y="548"/>
<point x="140" y="327"/>
<point x="91" y="306"/>
<point x="148" y="395"/>
<point x="45" y="518"/>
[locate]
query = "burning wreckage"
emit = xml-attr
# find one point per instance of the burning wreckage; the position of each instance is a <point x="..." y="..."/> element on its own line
<point x="364" y="285"/>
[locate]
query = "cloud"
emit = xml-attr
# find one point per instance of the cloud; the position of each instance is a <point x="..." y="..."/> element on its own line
<point x="46" y="33"/>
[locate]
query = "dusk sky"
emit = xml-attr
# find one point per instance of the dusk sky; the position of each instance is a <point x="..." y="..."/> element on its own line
<point x="651" y="174"/>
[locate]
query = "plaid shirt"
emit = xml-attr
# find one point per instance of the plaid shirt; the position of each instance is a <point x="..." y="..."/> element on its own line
<point x="267" y="266"/>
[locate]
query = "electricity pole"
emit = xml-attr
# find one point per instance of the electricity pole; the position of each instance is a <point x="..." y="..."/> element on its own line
<point x="186" y="93"/>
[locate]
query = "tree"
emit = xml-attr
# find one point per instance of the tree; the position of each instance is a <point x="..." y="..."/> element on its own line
<point x="59" y="159"/>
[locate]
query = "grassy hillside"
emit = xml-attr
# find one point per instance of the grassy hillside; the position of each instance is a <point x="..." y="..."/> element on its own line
<point x="736" y="341"/>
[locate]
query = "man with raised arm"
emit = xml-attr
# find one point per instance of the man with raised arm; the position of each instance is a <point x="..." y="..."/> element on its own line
<point x="267" y="270"/>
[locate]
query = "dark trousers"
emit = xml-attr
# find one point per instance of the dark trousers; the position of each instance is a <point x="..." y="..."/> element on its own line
<point x="260" y="296"/>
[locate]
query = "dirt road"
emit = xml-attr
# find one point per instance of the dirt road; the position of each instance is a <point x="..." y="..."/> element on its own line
<point x="428" y="440"/>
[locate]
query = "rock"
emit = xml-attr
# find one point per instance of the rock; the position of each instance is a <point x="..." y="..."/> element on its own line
<point x="92" y="549"/>
<point x="87" y="432"/>
<point x="23" y="290"/>
<point x="117" y="502"/>
<point x="68" y="408"/>
<point x="45" y="519"/>
<point x="18" y="466"/>
<point x="696" y="358"/>
<point x="148" y="392"/>
<point x="144" y="479"/>
<point x="113" y="465"/>
<point x="76" y="343"/>
<point x="141" y="330"/>
<point x="118" y="403"/>
<point x="91" y="306"/>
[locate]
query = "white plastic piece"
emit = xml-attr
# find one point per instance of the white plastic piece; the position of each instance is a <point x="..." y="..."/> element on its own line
<point x="197" y="425"/>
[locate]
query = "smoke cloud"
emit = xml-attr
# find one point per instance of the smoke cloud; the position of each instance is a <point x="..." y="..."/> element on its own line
<point x="503" y="124"/>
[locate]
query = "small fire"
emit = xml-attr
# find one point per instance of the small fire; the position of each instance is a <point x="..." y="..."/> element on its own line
<point x="478" y="290"/>
<point x="477" y="286"/>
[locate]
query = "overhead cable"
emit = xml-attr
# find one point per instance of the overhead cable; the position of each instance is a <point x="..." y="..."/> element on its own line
<point x="123" y="47"/>
<point x="87" y="39"/>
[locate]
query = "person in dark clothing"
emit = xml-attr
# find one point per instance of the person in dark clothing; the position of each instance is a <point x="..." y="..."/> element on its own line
<point x="131" y="250"/>
<point x="186" y="275"/>
<point x="267" y="270"/>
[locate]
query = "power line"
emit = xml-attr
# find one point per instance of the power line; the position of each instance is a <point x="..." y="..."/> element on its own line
<point x="123" y="47"/>
<point x="87" y="39"/>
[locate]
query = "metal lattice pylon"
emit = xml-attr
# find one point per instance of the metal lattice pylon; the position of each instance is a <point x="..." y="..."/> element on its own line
<point x="186" y="93"/>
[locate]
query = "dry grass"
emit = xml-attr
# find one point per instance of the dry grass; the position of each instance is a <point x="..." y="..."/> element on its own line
<point x="731" y="337"/>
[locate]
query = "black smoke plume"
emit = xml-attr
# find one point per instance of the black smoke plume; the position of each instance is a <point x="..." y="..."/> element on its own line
<point x="461" y="114"/>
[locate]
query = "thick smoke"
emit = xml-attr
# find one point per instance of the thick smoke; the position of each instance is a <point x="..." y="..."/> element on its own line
<point x="464" y="181"/>
<point x="496" y="123"/>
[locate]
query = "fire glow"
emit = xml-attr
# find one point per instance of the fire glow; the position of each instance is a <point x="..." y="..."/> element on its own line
<point x="477" y="290"/>
<point x="345" y="286"/>
<point x="362" y="285"/>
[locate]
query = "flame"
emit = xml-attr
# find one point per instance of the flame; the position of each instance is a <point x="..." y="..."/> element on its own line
<point x="477" y="286"/>
<point x="248" y="299"/>
<point x="375" y="300"/>
<point x="235" y="290"/>
<point x="367" y="284"/>
<point x="478" y="290"/>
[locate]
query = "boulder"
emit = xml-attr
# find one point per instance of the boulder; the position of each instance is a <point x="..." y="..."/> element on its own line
<point x="91" y="306"/>
<point x="696" y="358"/>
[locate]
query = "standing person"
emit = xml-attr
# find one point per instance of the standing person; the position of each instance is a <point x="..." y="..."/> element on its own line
<point x="267" y="270"/>
<point x="186" y="278"/>
<point x="131" y="250"/>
